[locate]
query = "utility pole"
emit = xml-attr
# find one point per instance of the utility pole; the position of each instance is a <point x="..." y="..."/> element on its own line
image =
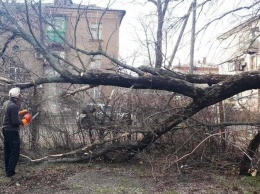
<point x="193" y="36"/>
<point x="41" y="25"/>
<point x="180" y="36"/>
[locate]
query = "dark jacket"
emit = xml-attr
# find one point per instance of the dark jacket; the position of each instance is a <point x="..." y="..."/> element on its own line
<point x="11" y="119"/>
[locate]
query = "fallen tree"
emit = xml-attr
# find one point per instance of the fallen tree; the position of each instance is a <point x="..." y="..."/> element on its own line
<point x="217" y="89"/>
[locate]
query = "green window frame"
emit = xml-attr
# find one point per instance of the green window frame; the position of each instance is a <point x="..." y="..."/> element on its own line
<point x="56" y="31"/>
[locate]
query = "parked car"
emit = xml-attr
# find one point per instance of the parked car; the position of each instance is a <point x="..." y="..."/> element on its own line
<point x="102" y="113"/>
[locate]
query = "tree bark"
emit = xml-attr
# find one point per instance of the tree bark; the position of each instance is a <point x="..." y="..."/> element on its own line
<point x="222" y="129"/>
<point x="34" y="129"/>
<point x="246" y="162"/>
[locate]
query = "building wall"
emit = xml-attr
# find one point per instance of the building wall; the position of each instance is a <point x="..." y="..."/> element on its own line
<point x="109" y="23"/>
<point x="78" y="24"/>
<point x="197" y="70"/>
<point x="238" y="41"/>
<point x="241" y="53"/>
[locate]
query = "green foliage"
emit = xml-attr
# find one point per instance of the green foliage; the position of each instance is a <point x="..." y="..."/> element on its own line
<point x="250" y="181"/>
<point x="241" y="184"/>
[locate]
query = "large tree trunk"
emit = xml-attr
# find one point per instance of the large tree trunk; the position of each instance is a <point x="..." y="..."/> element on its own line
<point x="246" y="161"/>
<point x="34" y="129"/>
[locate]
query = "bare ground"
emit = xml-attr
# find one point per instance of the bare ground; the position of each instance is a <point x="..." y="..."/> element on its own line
<point x="124" y="178"/>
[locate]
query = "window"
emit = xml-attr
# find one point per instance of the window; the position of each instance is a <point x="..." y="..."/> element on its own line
<point x="15" y="48"/>
<point x="62" y="55"/>
<point x="236" y="65"/>
<point x="15" y="72"/>
<point x="242" y="42"/>
<point x="95" y="62"/>
<point x="56" y="31"/>
<point x="253" y="61"/>
<point x="94" y="93"/>
<point x="231" y="66"/>
<point x="96" y="31"/>
<point x="255" y="32"/>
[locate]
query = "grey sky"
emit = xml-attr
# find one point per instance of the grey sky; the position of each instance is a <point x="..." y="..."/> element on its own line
<point x="206" y="43"/>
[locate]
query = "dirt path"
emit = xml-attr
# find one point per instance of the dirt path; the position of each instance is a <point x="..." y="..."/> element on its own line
<point x="102" y="181"/>
<point x="101" y="178"/>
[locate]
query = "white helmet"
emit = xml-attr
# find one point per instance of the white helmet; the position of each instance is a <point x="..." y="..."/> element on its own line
<point x="14" y="92"/>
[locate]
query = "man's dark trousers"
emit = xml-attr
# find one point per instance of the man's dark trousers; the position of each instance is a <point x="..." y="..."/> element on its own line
<point x="11" y="151"/>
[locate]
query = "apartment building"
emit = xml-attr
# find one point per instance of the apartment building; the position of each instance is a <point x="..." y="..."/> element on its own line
<point x="240" y="53"/>
<point x="62" y="27"/>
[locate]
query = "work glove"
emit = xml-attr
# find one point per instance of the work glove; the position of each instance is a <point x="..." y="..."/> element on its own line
<point x="23" y="112"/>
<point x="27" y="119"/>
